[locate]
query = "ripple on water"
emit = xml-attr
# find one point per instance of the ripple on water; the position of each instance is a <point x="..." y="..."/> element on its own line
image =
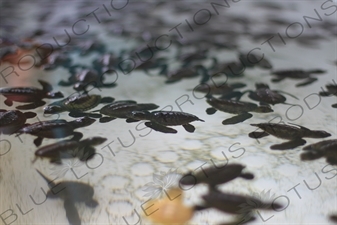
<point x="116" y="182"/>
<point x="191" y="145"/>
<point x="167" y="156"/>
<point x="120" y="208"/>
<point x="257" y="161"/>
<point x="142" y="169"/>
<point x="287" y="170"/>
<point x="196" y="164"/>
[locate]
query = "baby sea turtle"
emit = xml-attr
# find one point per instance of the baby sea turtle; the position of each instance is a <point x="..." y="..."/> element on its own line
<point x="327" y="149"/>
<point x="214" y="176"/>
<point x="294" y="133"/>
<point x="56" y="129"/>
<point x="83" y="150"/>
<point x="297" y="74"/>
<point x="121" y="109"/>
<point x="331" y="90"/>
<point x="29" y="94"/>
<point x="235" y="107"/>
<point x="159" y="120"/>
<point x="13" y="120"/>
<point x="77" y="105"/>
<point x="86" y="77"/>
<point x="266" y="96"/>
<point x="232" y="203"/>
<point x="71" y="192"/>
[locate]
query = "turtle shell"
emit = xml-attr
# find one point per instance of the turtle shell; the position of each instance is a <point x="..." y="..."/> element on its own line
<point x="82" y="102"/>
<point x="11" y="121"/>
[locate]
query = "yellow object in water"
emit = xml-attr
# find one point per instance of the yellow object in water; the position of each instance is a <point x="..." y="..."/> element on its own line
<point x="169" y="209"/>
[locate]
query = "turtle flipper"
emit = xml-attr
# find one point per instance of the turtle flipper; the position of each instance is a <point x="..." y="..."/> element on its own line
<point x="94" y="115"/>
<point x="33" y="105"/>
<point x="324" y="93"/>
<point x="29" y="115"/>
<point x="109" y="85"/>
<point x="92" y="203"/>
<point x="334" y="105"/>
<point x="45" y="86"/>
<point x="210" y="111"/>
<point x="106" y="119"/>
<point x="311" y="155"/>
<point x="77" y="114"/>
<point x="86" y="154"/>
<point x="160" y="128"/>
<point x="71" y="212"/>
<point x="247" y="176"/>
<point x="38" y="141"/>
<point x="8" y="102"/>
<point x="56" y="160"/>
<point x="309" y="81"/>
<point x="65" y="83"/>
<point x="237" y="119"/>
<point x="130" y="120"/>
<point x="77" y="136"/>
<point x="257" y="134"/>
<point x="277" y="79"/>
<point x="107" y="100"/>
<point x="189" y="128"/>
<point x="288" y="145"/>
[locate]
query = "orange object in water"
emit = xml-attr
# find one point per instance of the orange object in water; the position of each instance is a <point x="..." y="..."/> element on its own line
<point x="168" y="210"/>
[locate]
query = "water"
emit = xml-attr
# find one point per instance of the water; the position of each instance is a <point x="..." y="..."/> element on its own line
<point x="120" y="171"/>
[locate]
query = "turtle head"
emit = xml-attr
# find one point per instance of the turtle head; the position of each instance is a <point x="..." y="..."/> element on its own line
<point x="52" y="109"/>
<point x="139" y="115"/>
<point x="84" y="121"/>
<point x="57" y="94"/>
<point x="316" y="134"/>
<point x="96" y="140"/>
<point x="261" y="86"/>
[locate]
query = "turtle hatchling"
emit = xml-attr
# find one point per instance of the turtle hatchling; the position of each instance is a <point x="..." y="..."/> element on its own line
<point x="13" y="120"/>
<point x="294" y="133"/>
<point x="77" y="105"/>
<point x="56" y="129"/>
<point x="30" y="95"/>
<point x="159" y="120"/>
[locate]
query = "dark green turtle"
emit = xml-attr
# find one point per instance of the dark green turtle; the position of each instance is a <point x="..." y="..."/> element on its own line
<point x="77" y="105"/>
<point x="294" y="133"/>
<point x="83" y="150"/>
<point x="71" y="192"/>
<point x="13" y="120"/>
<point x="121" y="109"/>
<point x="159" y="120"/>
<point x="56" y="129"/>
<point x="31" y="95"/>
<point x="240" y="108"/>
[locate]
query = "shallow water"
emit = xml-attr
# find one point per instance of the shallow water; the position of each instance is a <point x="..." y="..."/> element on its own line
<point x="120" y="171"/>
